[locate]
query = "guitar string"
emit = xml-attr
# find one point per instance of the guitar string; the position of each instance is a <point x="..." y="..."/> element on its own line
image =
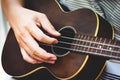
<point x="81" y="45"/>
<point x="83" y="51"/>
<point x="97" y="48"/>
<point x="111" y="47"/>
<point x="91" y="41"/>
<point x="87" y="40"/>
<point x="108" y="45"/>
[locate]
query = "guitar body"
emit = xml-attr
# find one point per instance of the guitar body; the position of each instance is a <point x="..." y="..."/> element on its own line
<point x="72" y="66"/>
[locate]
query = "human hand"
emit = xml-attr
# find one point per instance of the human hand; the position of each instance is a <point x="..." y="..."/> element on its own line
<point x="25" y="24"/>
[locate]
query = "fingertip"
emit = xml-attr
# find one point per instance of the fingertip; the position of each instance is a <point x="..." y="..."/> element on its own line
<point x="53" y="57"/>
<point x="51" y="62"/>
<point x="55" y="41"/>
<point x="56" y="33"/>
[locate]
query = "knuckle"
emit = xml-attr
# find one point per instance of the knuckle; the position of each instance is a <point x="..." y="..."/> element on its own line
<point x="21" y="34"/>
<point x="41" y="38"/>
<point x="52" y="41"/>
<point x="34" y="52"/>
<point x="46" y="39"/>
<point x="26" y="25"/>
<point x="32" y="61"/>
<point x="47" y="57"/>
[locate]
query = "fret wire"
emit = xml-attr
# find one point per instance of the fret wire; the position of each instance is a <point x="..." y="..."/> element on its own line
<point x="84" y="43"/>
<point x="109" y="42"/>
<point x="95" y="45"/>
<point x="91" y="44"/>
<point x="88" y="38"/>
<point x="74" y="41"/>
<point x="105" y="47"/>
<point x="100" y="46"/>
<point x="79" y="42"/>
<point x="115" y="48"/>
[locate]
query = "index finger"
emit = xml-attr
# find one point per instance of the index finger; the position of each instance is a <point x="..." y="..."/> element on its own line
<point x="47" y="26"/>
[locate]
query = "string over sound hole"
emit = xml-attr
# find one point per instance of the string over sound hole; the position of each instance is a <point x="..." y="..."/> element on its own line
<point x="65" y="41"/>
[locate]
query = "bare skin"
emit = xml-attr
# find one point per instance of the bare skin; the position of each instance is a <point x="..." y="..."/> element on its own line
<point x="25" y="24"/>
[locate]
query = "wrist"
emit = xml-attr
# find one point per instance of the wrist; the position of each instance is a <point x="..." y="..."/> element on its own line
<point x="10" y="7"/>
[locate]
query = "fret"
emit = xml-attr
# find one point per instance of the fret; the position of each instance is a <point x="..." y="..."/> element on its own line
<point x="99" y="46"/>
<point x="75" y="42"/>
<point x="105" y="50"/>
<point x="96" y="46"/>
<point x="117" y="46"/>
<point x="88" y="43"/>
<point x="92" y="45"/>
<point x="80" y="42"/>
<point x="85" y="43"/>
<point x="115" y="49"/>
<point x="109" y="47"/>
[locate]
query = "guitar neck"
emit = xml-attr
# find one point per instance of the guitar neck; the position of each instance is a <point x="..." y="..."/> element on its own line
<point x="96" y="46"/>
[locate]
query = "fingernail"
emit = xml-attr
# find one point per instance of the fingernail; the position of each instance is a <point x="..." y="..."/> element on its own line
<point x="53" y="57"/>
<point x="56" y="32"/>
<point x="55" y="42"/>
<point x="52" y="62"/>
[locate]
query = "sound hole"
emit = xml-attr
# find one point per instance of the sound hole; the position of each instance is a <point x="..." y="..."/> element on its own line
<point x="65" y="40"/>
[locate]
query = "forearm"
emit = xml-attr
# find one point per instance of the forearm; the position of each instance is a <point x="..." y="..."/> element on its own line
<point x="11" y="6"/>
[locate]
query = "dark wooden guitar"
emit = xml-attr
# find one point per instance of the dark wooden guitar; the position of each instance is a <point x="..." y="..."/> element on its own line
<point x="84" y="46"/>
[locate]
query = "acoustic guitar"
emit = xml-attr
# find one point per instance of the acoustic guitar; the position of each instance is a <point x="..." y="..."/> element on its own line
<point x="86" y="42"/>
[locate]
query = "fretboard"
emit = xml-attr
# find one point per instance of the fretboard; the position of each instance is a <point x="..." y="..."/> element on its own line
<point x="96" y="46"/>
